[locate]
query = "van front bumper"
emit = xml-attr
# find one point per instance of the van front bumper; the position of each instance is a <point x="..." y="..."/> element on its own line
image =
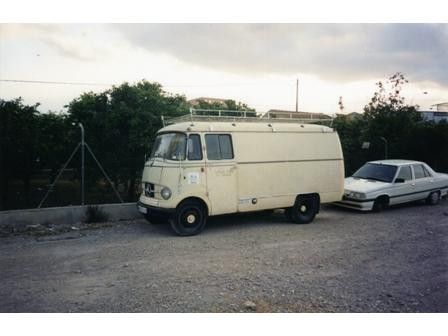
<point x="148" y="210"/>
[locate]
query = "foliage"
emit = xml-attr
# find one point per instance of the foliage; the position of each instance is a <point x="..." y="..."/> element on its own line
<point x="228" y="104"/>
<point x="121" y="123"/>
<point x="18" y="148"/>
<point x="95" y="214"/>
<point x="387" y="115"/>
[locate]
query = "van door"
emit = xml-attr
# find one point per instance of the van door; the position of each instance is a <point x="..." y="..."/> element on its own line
<point x="221" y="170"/>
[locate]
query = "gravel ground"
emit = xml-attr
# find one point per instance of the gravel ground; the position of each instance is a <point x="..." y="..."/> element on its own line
<point x="345" y="261"/>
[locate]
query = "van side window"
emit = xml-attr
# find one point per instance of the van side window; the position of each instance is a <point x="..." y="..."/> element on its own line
<point x="418" y="171"/>
<point x="194" y="147"/>
<point x="405" y="173"/>
<point x="219" y="146"/>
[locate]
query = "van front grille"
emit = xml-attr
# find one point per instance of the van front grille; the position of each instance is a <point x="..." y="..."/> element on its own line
<point x="149" y="190"/>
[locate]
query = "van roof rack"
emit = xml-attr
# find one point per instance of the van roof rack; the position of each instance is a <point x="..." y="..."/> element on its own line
<point x="248" y="116"/>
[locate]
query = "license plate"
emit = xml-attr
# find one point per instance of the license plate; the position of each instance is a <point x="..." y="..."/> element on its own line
<point x="142" y="210"/>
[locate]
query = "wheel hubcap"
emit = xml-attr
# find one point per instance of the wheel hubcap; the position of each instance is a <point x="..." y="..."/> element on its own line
<point x="191" y="219"/>
<point x="303" y="208"/>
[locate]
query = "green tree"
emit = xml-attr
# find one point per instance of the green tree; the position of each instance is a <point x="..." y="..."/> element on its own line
<point x="229" y="105"/>
<point x="350" y="135"/>
<point x="18" y="146"/>
<point x="387" y="115"/>
<point x="121" y="124"/>
<point x="54" y="141"/>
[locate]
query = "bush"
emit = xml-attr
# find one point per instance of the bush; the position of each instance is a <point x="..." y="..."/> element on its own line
<point x="96" y="215"/>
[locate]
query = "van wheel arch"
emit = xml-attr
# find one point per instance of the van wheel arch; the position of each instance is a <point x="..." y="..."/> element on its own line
<point x="196" y="199"/>
<point x="305" y="208"/>
<point x="190" y="217"/>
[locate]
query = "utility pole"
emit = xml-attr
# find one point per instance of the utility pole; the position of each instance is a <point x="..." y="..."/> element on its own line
<point x="297" y="95"/>
<point x="82" y="162"/>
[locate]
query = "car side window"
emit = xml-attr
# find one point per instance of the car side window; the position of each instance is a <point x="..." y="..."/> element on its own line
<point x="427" y="173"/>
<point x="405" y="173"/>
<point x="418" y="171"/>
<point x="219" y="146"/>
<point x="194" y="147"/>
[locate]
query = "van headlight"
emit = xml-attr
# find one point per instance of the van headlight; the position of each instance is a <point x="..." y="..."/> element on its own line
<point x="165" y="192"/>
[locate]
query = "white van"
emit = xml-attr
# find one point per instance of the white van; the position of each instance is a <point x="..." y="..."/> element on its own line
<point x="212" y="166"/>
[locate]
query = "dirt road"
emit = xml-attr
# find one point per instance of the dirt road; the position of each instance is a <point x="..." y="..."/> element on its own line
<point x="345" y="261"/>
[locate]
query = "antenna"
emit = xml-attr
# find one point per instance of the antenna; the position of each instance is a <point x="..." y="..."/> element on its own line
<point x="297" y="95"/>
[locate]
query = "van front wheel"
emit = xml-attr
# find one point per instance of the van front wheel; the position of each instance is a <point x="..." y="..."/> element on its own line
<point x="189" y="219"/>
<point x="304" y="210"/>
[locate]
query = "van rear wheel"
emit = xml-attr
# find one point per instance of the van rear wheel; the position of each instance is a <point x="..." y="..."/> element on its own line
<point x="189" y="219"/>
<point x="304" y="209"/>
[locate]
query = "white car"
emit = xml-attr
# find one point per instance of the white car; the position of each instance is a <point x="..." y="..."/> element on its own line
<point x="378" y="184"/>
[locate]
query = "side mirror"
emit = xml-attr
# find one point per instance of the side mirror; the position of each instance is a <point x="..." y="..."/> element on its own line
<point x="399" y="180"/>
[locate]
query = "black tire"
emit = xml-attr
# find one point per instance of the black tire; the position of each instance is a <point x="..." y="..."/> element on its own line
<point x="380" y="204"/>
<point x="189" y="219"/>
<point x="288" y="212"/>
<point x="433" y="198"/>
<point x="305" y="209"/>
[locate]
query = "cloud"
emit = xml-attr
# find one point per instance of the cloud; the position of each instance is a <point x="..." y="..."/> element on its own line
<point x="332" y="51"/>
<point x="66" y="40"/>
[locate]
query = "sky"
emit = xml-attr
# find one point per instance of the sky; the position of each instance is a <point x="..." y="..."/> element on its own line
<point x="257" y="64"/>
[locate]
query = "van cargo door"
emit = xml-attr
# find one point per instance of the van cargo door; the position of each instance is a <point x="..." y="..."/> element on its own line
<point x="221" y="187"/>
<point x="221" y="170"/>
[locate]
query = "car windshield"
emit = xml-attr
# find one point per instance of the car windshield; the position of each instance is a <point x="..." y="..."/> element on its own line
<point x="377" y="172"/>
<point x="169" y="146"/>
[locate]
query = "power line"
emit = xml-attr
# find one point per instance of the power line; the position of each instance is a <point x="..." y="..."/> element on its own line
<point x="110" y="84"/>
<point x="52" y="82"/>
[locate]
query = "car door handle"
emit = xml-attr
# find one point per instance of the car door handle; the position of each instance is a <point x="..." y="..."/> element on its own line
<point x="413" y="184"/>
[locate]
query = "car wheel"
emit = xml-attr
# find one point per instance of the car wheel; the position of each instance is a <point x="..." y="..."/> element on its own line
<point x="189" y="219"/>
<point x="379" y="205"/>
<point x="305" y="209"/>
<point x="433" y="198"/>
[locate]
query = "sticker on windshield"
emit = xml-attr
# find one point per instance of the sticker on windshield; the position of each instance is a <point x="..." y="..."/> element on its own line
<point x="193" y="178"/>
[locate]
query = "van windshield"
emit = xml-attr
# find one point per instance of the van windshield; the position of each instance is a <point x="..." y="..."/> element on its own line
<point x="169" y="146"/>
<point x="378" y="172"/>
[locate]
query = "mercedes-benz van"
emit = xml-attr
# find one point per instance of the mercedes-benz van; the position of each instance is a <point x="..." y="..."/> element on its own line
<point x="199" y="169"/>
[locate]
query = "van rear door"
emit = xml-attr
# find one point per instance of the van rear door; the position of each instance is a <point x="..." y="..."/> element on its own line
<point x="221" y="170"/>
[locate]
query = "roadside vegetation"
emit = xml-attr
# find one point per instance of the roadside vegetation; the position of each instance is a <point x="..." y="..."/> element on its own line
<point x="121" y="123"/>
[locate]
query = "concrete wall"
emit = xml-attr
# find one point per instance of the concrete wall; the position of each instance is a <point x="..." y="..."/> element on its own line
<point x="65" y="215"/>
